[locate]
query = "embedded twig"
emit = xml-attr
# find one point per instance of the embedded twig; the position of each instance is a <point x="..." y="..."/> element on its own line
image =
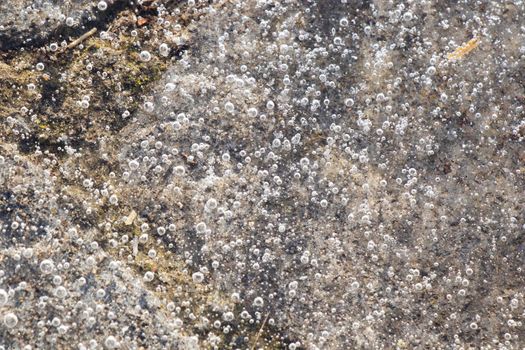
<point x="260" y="332"/>
<point x="464" y="49"/>
<point x="81" y="38"/>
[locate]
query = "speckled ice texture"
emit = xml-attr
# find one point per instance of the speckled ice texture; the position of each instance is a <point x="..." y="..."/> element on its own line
<point x="262" y="174"/>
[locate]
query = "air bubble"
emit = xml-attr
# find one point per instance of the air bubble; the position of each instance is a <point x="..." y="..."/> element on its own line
<point x="111" y="342"/>
<point x="164" y="50"/>
<point x="252" y="112"/>
<point x="102" y="5"/>
<point x="349" y="102"/>
<point x="61" y="292"/>
<point x="47" y="266"/>
<point x="197" y="277"/>
<point x="211" y="204"/>
<point x="10" y="320"/>
<point x="133" y="165"/>
<point x="113" y="199"/>
<point x="179" y="170"/>
<point x="149" y="276"/>
<point x="200" y="227"/>
<point x="100" y="293"/>
<point x="145" y="56"/>
<point x="229" y="107"/>
<point x="228" y="316"/>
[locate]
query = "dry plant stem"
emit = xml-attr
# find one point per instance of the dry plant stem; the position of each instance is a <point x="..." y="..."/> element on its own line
<point x="80" y="39"/>
<point x="259" y="333"/>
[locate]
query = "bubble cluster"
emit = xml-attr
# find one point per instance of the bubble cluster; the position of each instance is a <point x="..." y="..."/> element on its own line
<point x="267" y="174"/>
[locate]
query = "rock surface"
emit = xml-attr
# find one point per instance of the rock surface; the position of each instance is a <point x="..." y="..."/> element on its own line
<point x="263" y="175"/>
<point x="33" y="22"/>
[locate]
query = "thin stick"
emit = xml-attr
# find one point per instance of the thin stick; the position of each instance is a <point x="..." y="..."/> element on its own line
<point x="464" y="49"/>
<point x="260" y="332"/>
<point x="82" y="38"/>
